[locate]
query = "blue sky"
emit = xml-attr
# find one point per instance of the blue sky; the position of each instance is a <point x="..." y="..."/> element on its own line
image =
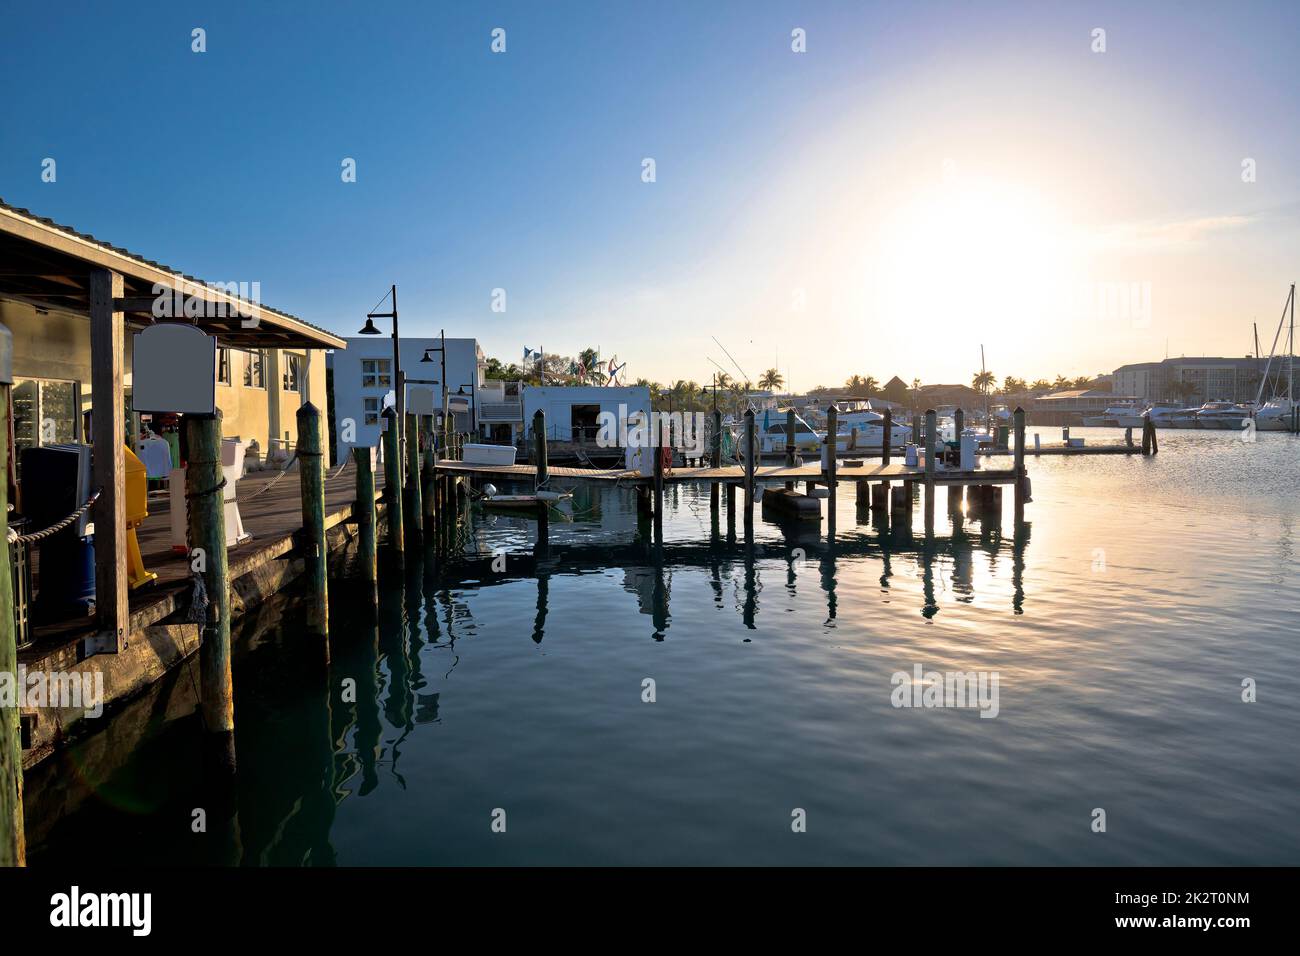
<point x="829" y="177"/>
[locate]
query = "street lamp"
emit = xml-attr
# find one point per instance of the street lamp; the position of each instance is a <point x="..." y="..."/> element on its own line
<point x="442" y="382"/>
<point x="370" y="329"/>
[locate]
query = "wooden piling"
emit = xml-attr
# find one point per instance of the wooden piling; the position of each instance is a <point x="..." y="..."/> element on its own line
<point x="428" y="470"/>
<point x="205" y="499"/>
<point x="658" y="515"/>
<point x="751" y="453"/>
<point x="789" y="444"/>
<point x="900" y="506"/>
<point x="864" y="494"/>
<point x="413" y="497"/>
<point x="393" y="481"/>
<point x="916" y="430"/>
<point x="311" y="474"/>
<point x="364" y="509"/>
<point x="543" y="475"/>
<point x="715" y="459"/>
<point x="931" y="420"/>
<point x="832" y="450"/>
<point x="13" y="840"/>
<point x="1019" y="422"/>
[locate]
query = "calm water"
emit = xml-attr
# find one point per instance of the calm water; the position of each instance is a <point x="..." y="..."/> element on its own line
<point x="1121" y="622"/>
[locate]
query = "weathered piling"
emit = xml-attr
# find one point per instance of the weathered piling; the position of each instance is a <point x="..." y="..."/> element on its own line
<point x="900" y="506"/>
<point x="13" y="841"/>
<point x="886" y="450"/>
<point x="750" y="454"/>
<point x="731" y="510"/>
<point x="311" y="474"/>
<point x="1149" y="444"/>
<point x="832" y="427"/>
<point x="428" y="470"/>
<point x="789" y="444"/>
<point x="959" y="422"/>
<point x="715" y="459"/>
<point x="205" y="500"/>
<point x="931" y="420"/>
<point x="658" y="448"/>
<point x="916" y="430"/>
<point x="413" y="497"/>
<point x="393" y="481"/>
<point x="364" y="459"/>
<point x="543" y="475"/>
<point x="1019" y="422"/>
<point x="864" y="494"/>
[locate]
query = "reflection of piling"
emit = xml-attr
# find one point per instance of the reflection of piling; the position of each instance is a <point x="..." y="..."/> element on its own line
<point x="363" y="458"/>
<point x="311" y="473"/>
<point x="731" y="511"/>
<point x="207" y="532"/>
<point x="13" y="843"/>
<point x="393" y="481"/>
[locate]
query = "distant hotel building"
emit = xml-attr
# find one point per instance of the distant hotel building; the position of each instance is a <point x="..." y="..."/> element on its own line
<point x="1193" y="380"/>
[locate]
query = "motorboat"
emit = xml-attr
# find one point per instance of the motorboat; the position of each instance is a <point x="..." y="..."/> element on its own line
<point x="1171" y="415"/>
<point x="1223" y="415"/>
<point x="1275" y="416"/>
<point x="1119" y="415"/>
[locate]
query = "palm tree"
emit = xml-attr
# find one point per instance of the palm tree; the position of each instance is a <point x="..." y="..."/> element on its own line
<point x="771" y="379"/>
<point x="1041" y="385"/>
<point x="1012" y="385"/>
<point x="983" y="381"/>
<point x="1083" y="381"/>
<point x="870" y="386"/>
<point x="590" y="360"/>
<point x="854" y="384"/>
<point x="1061" y="382"/>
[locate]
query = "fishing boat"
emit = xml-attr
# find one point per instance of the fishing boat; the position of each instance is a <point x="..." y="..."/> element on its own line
<point x="1223" y="415"/>
<point x="497" y="501"/>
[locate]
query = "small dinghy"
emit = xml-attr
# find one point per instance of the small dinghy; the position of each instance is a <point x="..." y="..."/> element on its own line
<point x="491" y="499"/>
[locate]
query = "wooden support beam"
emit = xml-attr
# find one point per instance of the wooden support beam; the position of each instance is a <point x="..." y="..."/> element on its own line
<point x="413" y="498"/>
<point x="205" y="499"/>
<point x="789" y="444"/>
<point x="1019" y="421"/>
<point x="751" y="453"/>
<point x="311" y="475"/>
<point x="108" y="432"/>
<point x="931" y="421"/>
<point x="832" y="453"/>
<point x="364" y="459"/>
<point x="13" y="842"/>
<point x="393" y="482"/>
<point x="428" y="476"/>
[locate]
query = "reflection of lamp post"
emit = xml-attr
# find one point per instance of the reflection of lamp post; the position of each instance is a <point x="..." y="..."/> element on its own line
<point x="369" y="329"/>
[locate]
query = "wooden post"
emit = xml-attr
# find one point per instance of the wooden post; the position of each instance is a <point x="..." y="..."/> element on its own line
<point x="863" y="493"/>
<point x="207" y="534"/>
<point x="886" y="449"/>
<point x="1146" y="437"/>
<point x="750" y="467"/>
<point x="832" y="426"/>
<point x="13" y="837"/>
<point x="789" y="444"/>
<point x="393" y="481"/>
<point x="731" y="510"/>
<point x="363" y="458"/>
<point x="414" y="502"/>
<point x="916" y="430"/>
<point x="311" y="479"/>
<point x="428" y="471"/>
<point x="931" y="419"/>
<point x="900" y="506"/>
<point x="715" y="460"/>
<point x="107" y="352"/>
<point x="657" y="446"/>
<point x="1019" y="420"/>
<point x="959" y="422"/>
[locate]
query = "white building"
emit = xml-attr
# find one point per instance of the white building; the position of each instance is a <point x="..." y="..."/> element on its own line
<point x="363" y="383"/>
<point x="573" y="412"/>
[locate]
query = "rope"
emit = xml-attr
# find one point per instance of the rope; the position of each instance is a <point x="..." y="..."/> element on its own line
<point x="55" y="528"/>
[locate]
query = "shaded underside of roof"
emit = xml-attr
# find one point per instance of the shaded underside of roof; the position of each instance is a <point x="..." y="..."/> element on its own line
<point x="49" y="264"/>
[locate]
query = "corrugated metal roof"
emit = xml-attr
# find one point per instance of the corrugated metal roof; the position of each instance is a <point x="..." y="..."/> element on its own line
<point x="46" y="221"/>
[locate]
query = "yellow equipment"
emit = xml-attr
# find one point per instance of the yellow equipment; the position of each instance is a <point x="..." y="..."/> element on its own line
<point x="137" y="509"/>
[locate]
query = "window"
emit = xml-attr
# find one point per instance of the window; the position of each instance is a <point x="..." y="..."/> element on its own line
<point x="372" y="410"/>
<point x="292" y="372"/>
<point x="45" y="412"/>
<point x="223" y="366"/>
<point x="254" y="369"/>
<point x="375" y="373"/>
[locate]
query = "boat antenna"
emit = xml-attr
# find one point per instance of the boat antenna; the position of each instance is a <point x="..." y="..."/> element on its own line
<point x="743" y="375"/>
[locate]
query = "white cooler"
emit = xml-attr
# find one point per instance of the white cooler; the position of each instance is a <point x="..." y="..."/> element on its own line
<point x="476" y="454"/>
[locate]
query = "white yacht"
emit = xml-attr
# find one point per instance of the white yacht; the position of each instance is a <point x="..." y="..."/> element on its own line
<point x="1275" y="416"/>
<point x="1119" y="415"/>
<point x="1171" y="415"/>
<point x="1223" y="415"/>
